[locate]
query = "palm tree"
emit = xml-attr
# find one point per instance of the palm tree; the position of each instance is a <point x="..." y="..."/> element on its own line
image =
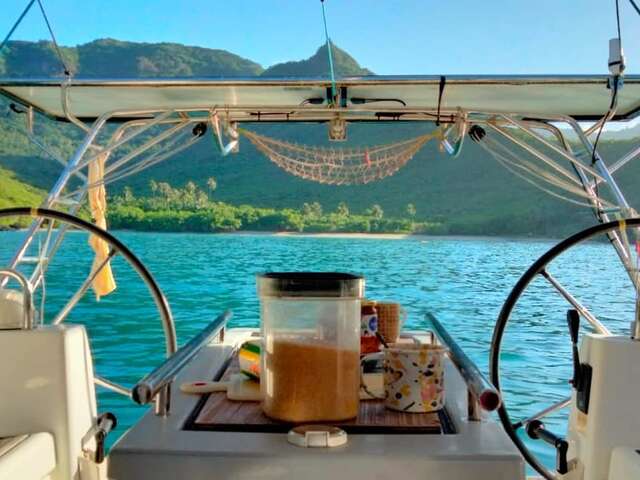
<point x="376" y="212"/>
<point x="212" y="184"/>
<point x="343" y="209"/>
<point x="312" y="210"/>
<point x="411" y="210"/>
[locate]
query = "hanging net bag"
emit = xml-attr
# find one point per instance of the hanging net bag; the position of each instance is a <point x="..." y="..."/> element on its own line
<point x="339" y="166"/>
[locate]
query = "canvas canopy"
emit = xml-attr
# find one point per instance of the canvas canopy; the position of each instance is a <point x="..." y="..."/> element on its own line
<point x="581" y="97"/>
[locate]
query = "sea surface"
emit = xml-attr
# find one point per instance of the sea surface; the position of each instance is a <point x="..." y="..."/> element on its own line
<point x="464" y="282"/>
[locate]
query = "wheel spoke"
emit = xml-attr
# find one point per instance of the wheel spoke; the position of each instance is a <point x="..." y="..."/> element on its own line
<point x="543" y="413"/>
<point x="109" y="385"/>
<point x="42" y="266"/>
<point x="73" y="301"/>
<point x="582" y="310"/>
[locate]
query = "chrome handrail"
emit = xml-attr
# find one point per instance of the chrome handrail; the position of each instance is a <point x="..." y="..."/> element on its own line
<point x="27" y="291"/>
<point x="156" y="385"/>
<point x="481" y="392"/>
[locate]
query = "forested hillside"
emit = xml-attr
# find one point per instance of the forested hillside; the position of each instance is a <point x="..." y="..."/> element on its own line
<point x="109" y="58"/>
<point x="471" y="194"/>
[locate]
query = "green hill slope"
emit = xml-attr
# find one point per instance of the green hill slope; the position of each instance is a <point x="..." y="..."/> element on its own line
<point x="109" y="58"/>
<point x="316" y="65"/>
<point x="115" y="58"/>
<point x="13" y="193"/>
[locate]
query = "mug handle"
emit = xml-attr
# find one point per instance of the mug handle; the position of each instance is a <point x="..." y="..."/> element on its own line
<point x="403" y="317"/>
<point x="363" y="386"/>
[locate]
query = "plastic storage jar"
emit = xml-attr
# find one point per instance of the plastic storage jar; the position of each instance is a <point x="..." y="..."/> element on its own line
<point x="311" y="345"/>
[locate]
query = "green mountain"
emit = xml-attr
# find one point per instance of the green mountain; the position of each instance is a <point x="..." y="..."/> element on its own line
<point x="471" y="194"/>
<point x="109" y="58"/>
<point x="114" y="58"/>
<point x="316" y="65"/>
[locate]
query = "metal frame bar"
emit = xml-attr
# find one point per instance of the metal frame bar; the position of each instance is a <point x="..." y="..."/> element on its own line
<point x="481" y="393"/>
<point x="534" y="152"/>
<point x="566" y="154"/>
<point x="543" y="413"/>
<point x="59" y="186"/>
<point x="141" y="149"/>
<point x="178" y="119"/>
<point x="113" y="386"/>
<point x="27" y="290"/>
<point x="73" y="167"/>
<point x="593" y="321"/>
<point x="117" y="140"/>
<point x="156" y="385"/>
<point x="73" y="301"/>
<point x="603" y="174"/>
<point x="633" y="153"/>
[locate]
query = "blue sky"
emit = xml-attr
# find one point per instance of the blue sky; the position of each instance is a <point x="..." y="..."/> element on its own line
<point x="387" y="36"/>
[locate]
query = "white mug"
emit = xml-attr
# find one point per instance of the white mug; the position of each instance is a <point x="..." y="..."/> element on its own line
<point x="413" y="377"/>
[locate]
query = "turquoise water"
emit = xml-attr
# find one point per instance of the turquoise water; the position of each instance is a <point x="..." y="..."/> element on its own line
<point x="463" y="281"/>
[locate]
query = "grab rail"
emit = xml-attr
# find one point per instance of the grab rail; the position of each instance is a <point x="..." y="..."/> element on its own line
<point x="27" y="291"/>
<point x="481" y="392"/>
<point x="157" y="384"/>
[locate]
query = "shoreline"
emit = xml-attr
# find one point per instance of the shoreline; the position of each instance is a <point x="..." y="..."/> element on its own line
<point x="342" y="235"/>
<point x="389" y="236"/>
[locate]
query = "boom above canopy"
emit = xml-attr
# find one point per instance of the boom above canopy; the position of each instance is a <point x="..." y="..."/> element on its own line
<point x="360" y="98"/>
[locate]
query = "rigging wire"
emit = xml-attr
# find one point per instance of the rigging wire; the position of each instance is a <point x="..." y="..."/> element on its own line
<point x="53" y="38"/>
<point x="15" y="25"/>
<point x="67" y="72"/>
<point x="617" y="22"/>
<point x="328" y="43"/>
<point x="635" y="5"/>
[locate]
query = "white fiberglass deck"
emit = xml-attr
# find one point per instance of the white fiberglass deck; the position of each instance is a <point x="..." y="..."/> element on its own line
<point x="159" y="448"/>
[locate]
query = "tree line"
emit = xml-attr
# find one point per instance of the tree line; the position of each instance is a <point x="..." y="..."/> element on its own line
<point x="194" y="209"/>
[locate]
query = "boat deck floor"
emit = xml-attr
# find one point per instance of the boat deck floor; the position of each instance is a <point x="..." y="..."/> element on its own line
<point x="166" y="448"/>
<point x="217" y="413"/>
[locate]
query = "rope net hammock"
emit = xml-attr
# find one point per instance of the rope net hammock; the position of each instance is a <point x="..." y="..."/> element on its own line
<point x="339" y="166"/>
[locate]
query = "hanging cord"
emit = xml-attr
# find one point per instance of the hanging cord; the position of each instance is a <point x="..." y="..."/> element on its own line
<point x="443" y="81"/>
<point x="618" y="22"/>
<point x="614" y="97"/>
<point x="328" y="43"/>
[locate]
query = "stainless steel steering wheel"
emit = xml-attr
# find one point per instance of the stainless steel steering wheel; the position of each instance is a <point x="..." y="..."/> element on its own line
<point x="116" y="247"/>
<point x="616" y="231"/>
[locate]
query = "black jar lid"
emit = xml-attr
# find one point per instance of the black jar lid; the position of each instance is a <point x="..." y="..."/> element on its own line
<point x="310" y="284"/>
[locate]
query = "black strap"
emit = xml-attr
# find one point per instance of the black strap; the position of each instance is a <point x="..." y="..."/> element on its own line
<point x="443" y="81"/>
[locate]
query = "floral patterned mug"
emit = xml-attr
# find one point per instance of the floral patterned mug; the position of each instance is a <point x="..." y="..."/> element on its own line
<point x="413" y="377"/>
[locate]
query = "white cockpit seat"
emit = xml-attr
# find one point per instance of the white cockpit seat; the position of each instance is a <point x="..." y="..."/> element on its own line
<point x="11" y="308"/>
<point x="47" y="373"/>
<point x="27" y="457"/>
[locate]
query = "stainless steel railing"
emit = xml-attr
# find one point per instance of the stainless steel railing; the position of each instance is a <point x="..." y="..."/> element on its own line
<point x="27" y="291"/>
<point x="157" y="384"/>
<point x="481" y="393"/>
